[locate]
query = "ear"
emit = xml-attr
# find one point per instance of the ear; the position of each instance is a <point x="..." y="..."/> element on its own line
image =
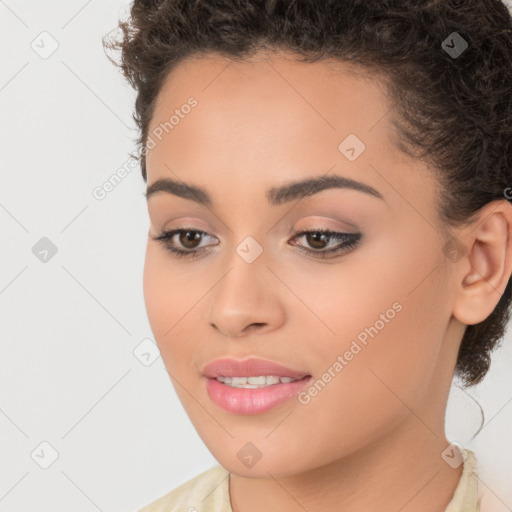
<point x="488" y="257"/>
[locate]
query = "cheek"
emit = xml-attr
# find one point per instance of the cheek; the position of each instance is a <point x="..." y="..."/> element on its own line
<point x="390" y="357"/>
<point x="388" y="323"/>
<point x="155" y="287"/>
<point x="169" y="292"/>
<point x="384" y="380"/>
<point x="172" y="301"/>
<point x="164" y="296"/>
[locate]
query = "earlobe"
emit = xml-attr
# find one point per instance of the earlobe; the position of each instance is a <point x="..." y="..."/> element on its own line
<point x="489" y="255"/>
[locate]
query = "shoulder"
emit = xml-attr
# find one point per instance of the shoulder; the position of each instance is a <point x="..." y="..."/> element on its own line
<point x="465" y="497"/>
<point x="206" y="492"/>
<point x="494" y="490"/>
<point x="477" y="494"/>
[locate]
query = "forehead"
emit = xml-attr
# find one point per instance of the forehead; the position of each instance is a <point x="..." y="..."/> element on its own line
<point x="268" y="119"/>
<point x="272" y="96"/>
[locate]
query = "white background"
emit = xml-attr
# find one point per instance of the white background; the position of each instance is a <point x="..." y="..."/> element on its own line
<point x="69" y="326"/>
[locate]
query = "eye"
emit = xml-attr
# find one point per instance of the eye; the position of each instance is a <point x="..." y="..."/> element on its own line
<point x="186" y="237"/>
<point x="318" y="239"/>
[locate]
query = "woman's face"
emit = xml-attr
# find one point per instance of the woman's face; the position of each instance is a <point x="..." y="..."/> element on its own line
<point x="365" y="316"/>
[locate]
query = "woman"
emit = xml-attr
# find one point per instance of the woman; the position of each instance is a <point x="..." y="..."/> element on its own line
<point x="330" y="239"/>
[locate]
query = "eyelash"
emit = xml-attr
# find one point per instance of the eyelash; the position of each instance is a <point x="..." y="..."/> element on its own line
<point x="351" y="241"/>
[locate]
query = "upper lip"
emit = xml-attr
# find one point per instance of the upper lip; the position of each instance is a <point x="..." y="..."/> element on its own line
<point x="252" y="367"/>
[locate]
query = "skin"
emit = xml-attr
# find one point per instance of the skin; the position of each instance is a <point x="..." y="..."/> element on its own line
<point x="375" y="433"/>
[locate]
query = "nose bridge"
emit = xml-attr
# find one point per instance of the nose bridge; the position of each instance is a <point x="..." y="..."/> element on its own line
<point x="243" y="296"/>
<point x="247" y="264"/>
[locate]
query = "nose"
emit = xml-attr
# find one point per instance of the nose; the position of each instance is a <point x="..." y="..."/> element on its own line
<point x="246" y="300"/>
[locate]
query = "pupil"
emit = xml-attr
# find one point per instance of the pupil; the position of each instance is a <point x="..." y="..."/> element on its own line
<point x="315" y="238"/>
<point x="192" y="237"/>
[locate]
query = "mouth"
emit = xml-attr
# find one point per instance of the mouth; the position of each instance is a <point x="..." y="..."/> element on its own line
<point x="260" y="381"/>
<point x="252" y="386"/>
<point x="253" y="368"/>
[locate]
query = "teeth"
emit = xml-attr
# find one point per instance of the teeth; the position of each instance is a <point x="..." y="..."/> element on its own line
<point x="254" y="382"/>
<point x="257" y="380"/>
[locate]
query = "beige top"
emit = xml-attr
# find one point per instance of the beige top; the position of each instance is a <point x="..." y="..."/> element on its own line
<point x="209" y="492"/>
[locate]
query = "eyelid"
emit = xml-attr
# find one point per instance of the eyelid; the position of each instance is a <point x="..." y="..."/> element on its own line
<point x="317" y="222"/>
<point x="348" y="242"/>
<point x="185" y="223"/>
<point x="311" y="226"/>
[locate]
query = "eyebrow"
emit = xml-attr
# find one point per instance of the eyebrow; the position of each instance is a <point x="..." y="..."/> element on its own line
<point x="275" y="196"/>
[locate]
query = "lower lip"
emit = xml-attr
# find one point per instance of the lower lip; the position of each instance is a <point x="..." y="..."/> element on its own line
<point x="253" y="400"/>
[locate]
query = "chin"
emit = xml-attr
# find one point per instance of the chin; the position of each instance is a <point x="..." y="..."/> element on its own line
<point x="266" y="462"/>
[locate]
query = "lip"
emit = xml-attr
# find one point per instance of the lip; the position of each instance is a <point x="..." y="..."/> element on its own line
<point x="248" y="368"/>
<point x="256" y="400"/>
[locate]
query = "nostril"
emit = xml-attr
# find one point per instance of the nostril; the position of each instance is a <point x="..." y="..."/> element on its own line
<point x="254" y="326"/>
<point x="257" y="323"/>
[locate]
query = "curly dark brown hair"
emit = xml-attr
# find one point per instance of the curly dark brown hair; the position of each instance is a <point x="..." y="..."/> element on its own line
<point x="452" y="111"/>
